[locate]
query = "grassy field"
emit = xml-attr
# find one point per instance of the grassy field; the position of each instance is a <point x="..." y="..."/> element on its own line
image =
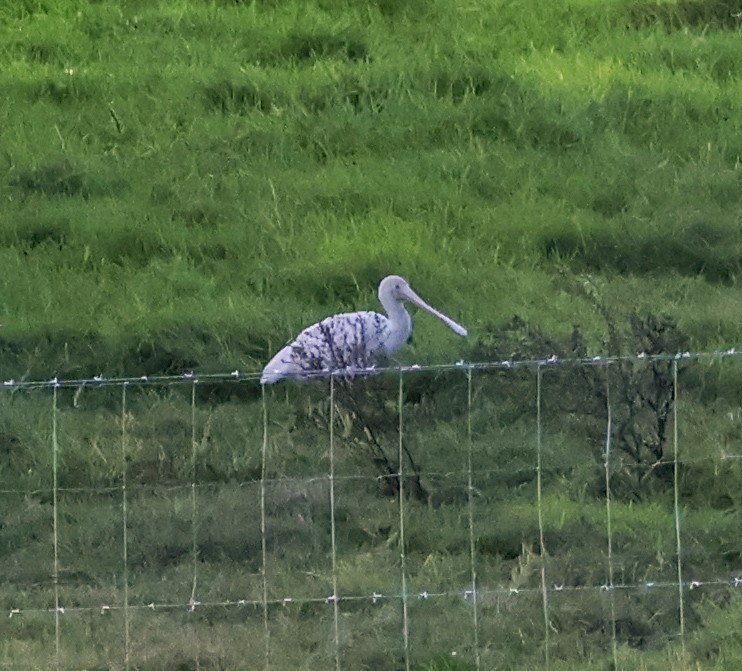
<point x="186" y="184"/>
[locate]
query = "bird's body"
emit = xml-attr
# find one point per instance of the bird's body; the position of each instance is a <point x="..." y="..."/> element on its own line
<point x="352" y="341"/>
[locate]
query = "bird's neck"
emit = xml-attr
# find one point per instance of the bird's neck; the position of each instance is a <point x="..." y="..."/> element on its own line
<point x="400" y="326"/>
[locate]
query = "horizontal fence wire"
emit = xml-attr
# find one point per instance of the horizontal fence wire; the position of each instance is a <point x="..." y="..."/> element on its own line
<point x="190" y="377"/>
<point x="356" y="477"/>
<point x="479" y="594"/>
<point x="377" y="598"/>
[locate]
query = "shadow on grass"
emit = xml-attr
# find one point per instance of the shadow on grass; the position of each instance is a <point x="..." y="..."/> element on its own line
<point x="54" y="178"/>
<point x="715" y="14"/>
<point x="704" y="249"/>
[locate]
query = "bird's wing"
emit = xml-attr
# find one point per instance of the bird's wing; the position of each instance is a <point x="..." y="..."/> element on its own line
<point x="347" y="341"/>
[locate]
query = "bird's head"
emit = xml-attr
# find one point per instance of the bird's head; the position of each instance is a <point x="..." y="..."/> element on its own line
<point x="395" y="287"/>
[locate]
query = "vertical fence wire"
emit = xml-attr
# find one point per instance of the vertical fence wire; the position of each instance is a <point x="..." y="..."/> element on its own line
<point x="539" y="499"/>
<point x="470" y="506"/>
<point x="676" y="504"/>
<point x="403" y="567"/>
<point x="55" y="529"/>
<point x="608" y="520"/>
<point x="333" y="543"/>
<point x="194" y="511"/>
<point x="125" y="531"/>
<point x="263" y="542"/>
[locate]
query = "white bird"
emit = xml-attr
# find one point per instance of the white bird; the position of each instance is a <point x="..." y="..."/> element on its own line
<point x="353" y="341"/>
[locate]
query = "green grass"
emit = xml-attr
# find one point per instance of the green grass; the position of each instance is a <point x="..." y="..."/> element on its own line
<point x="255" y="166"/>
<point x="185" y="185"/>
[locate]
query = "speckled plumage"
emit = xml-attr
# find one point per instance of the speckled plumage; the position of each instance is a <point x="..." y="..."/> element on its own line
<point x="352" y="341"/>
<point x="348" y="341"/>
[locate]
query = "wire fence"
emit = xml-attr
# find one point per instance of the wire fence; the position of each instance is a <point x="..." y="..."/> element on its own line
<point x="559" y="515"/>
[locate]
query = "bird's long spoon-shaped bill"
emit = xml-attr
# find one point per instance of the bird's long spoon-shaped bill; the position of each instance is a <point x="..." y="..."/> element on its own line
<point x="411" y="296"/>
